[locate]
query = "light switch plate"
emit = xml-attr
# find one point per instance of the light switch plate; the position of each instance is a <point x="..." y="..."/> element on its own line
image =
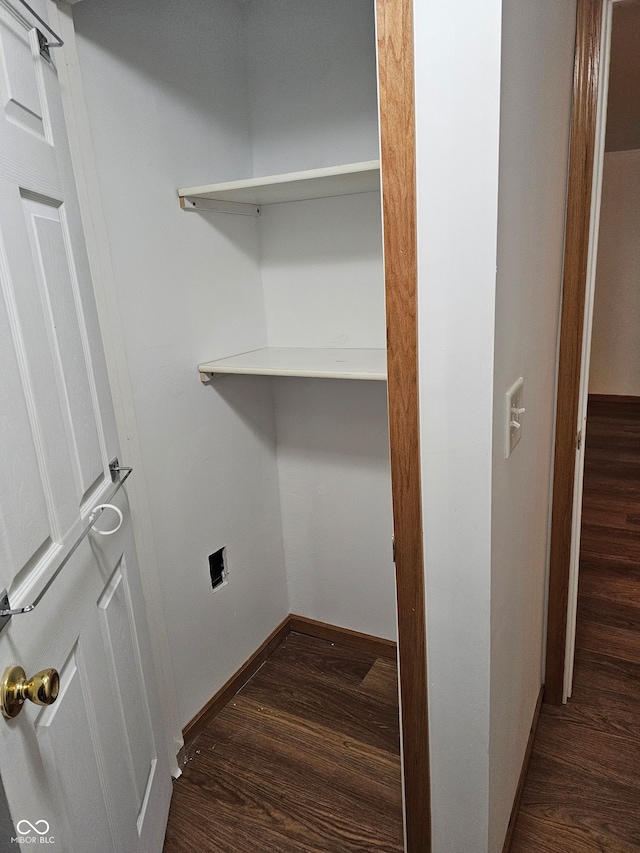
<point x="514" y="410"/>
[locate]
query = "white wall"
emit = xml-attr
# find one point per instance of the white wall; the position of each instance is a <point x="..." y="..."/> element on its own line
<point x="493" y="87"/>
<point x="312" y="84"/>
<point x="312" y="72"/>
<point x="322" y="271"/>
<point x="189" y="290"/>
<point x="615" y="343"/>
<point x="457" y="121"/>
<point x="333" y="462"/>
<point x="537" y="68"/>
<point x="321" y="264"/>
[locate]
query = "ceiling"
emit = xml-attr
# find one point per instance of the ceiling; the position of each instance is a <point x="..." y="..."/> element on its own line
<point x="623" y="109"/>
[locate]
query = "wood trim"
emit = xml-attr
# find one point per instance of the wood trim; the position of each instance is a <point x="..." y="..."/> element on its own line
<point x="397" y="129"/>
<point x="353" y="639"/>
<point x="229" y="690"/>
<point x="614" y="398"/>
<point x="586" y="80"/>
<point x="517" y="800"/>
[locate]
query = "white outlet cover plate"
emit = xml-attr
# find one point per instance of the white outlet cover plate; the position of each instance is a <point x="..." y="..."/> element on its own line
<point x="513" y="400"/>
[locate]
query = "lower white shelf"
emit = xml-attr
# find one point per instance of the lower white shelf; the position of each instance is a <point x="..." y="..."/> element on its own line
<point x="303" y="361"/>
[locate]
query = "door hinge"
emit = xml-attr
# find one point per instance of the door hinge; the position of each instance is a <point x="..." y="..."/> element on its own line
<point x="579" y="440"/>
<point x="393" y="547"/>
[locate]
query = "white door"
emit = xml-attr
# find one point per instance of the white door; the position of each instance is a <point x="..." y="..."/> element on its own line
<point x="89" y="772"/>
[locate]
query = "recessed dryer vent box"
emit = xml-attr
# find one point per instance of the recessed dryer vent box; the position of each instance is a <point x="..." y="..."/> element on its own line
<point x="218" y="568"/>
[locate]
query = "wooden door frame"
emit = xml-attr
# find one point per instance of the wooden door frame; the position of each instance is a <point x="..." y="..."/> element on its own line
<point x="584" y="125"/>
<point x="397" y="132"/>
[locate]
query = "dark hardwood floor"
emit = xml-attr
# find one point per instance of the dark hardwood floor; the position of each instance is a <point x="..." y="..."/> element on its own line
<point x="583" y="788"/>
<point x="304" y="759"/>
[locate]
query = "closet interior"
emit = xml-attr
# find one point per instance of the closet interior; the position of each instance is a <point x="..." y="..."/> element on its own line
<point x="236" y="145"/>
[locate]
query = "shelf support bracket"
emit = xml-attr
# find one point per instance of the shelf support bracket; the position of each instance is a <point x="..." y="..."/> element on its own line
<point x="210" y="377"/>
<point x="208" y="205"/>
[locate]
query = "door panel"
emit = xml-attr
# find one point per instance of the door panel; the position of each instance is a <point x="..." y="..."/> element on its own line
<point x="123" y="656"/>
<point x="61" y="732"/>
<point x="26" y="524"/>
<point x="37" y="499"/>
<point x="21" y="93"/>
<point x="50" y="245"/>
<point x="87" y="766"/>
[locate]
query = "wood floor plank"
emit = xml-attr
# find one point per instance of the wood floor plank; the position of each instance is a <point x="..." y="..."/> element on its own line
<point x="284" y="766"/>
<point x="342" y="709"/>
<point x="610" y="614"/>
<point x="602" y="515"/>
<point x="251" y="816"/>
<point x="280" y="770"/>
<point x="616" y="582"/>
<point x="330" y="660"/>
<point x="582" y="792"/>
<point x="381" y="682"/>
<point x="601" y="503"/>
<point x="605" y="541"/>
<point x="309" y="805"/>
<point x="597" y="675"/>
<point x="611" y="714"/>
<point x="557" y="830"/>
<point x="243" y="718"/>
<point x="601" y="762"/>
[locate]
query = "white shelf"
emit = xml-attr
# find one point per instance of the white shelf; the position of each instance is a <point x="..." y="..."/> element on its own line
<point x="294" y="186"/>
<point x="299" y="361"/>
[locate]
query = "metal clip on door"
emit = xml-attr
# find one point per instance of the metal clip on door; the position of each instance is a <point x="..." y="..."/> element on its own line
<point x="6" y="612"/>
<point x="43" y="44"/>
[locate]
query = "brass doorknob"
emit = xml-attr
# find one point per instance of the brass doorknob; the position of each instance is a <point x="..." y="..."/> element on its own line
<point x="15" y="689"/>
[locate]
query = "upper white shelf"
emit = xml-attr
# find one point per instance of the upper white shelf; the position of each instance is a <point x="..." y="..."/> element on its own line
<point x="303" y="361"/>
<point x="293" y="186"/>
